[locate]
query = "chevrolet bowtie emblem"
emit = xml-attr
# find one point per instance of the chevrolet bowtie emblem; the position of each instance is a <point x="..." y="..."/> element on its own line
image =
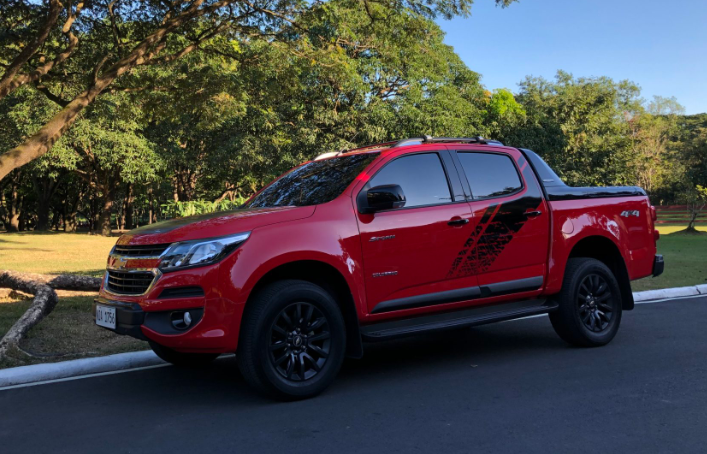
<point x="119" y="262"/>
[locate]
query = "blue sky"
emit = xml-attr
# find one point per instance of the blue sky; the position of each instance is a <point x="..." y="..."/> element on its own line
<point x="659" y="44"/>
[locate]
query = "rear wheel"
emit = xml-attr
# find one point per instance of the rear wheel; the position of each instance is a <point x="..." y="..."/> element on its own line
<point x="590" y="304"/>
<point x="182" y="359"/>
<point x="292" y="341"/>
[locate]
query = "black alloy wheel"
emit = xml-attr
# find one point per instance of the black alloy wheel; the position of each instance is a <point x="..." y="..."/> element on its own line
<point x="590" y="304"/>
<point x="594" y="301"/>
<point x="292" y="341"/>
<point x="299" y="341"/>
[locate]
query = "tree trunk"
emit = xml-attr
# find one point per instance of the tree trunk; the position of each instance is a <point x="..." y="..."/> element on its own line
<point x="120" y="217"/>
<point x="13" y="223"/>
<point x="693" y="217"/>
<point x="70" y="223"/>
<point x="152" y="201"/>
<point x="104" y="219"/>
<point x="44" y="190"/>
<point x="128" y="207"/>
<point x="71" y="211"/>
<point x="23" y="215"/>
<point x="43" y="140"/>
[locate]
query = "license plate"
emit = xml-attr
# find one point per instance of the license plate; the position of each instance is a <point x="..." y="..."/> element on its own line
<point x="105" y="316"/>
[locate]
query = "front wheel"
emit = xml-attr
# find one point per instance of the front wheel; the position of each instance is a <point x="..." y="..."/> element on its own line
<point x="293" y="340"/>
<point x="590" y="304"/>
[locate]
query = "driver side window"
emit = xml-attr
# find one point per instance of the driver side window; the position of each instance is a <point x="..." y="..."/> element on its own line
<point x="421" y="176"/>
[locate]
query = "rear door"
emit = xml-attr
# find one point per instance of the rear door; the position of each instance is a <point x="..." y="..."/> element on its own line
<point x="508" y="249"/>
<point x="407" y="251"/>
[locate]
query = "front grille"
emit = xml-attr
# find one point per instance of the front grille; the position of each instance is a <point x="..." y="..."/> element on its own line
<point x="148" y="250"/>
<point x="129" y="282"/>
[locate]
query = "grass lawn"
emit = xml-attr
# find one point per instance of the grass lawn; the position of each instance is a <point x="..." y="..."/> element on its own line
<point x="69" y="331"/>
<point x="668" y="229"/>
<point x="685" y="261"/>
<point x="55" y="253"/>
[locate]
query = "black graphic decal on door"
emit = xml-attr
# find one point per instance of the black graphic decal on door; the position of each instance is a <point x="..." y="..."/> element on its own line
<point x="495" y="230"/>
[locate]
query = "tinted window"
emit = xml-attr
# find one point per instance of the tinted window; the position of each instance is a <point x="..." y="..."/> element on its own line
<point x="490" y="175"/>
<point x="421" y="176"/>
<point x="313" y="183"/>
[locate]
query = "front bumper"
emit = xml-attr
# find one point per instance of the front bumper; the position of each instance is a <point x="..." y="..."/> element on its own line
<point x="658" y="265"/>
<point x="130" y="318"/>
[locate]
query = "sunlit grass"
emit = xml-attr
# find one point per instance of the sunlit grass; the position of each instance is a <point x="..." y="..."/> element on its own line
<point x="668" y="229"/>
<point x="55" y="253"/>
<point x="685" y="261"/>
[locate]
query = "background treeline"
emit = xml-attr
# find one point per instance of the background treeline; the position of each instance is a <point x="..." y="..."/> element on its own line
<point x="233" y="97"/>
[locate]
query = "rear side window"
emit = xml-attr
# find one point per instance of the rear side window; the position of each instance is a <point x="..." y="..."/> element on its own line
<point x="490" y="175"/>
<point x="421" y="176"/>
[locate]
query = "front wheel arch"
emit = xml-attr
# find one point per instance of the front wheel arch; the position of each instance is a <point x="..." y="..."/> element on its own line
<point x="330" y="279"/>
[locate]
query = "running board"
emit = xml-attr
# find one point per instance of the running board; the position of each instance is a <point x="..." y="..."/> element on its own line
<point x="459" y="319"/>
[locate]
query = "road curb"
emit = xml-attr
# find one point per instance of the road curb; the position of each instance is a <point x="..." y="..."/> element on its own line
<point x="66" y="369"/>
<point x="676" y="292"/>
<point x="125" y="361"/>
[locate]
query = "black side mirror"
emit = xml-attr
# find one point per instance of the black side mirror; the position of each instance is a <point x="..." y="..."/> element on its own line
<point x="385" y="197"/>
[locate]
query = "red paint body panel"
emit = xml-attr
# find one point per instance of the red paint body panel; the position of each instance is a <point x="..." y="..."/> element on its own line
<point x="632" y="235"/>
<point x="498" y="244"/>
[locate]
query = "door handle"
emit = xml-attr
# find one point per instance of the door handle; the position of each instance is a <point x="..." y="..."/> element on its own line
<point x="459" y="221"/>
<point x="532" y="214"/>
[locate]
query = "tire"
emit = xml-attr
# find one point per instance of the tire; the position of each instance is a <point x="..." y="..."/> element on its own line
<point x="270" y="356"/>
<point x="187" y="360"/>
<point x="590" y="304"/>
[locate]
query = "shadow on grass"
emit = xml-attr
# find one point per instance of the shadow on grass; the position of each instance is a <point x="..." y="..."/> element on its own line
<point x="94" y="273"/>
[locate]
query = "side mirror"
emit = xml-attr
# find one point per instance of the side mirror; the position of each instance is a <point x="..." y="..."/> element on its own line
<point x="385" y="197"/>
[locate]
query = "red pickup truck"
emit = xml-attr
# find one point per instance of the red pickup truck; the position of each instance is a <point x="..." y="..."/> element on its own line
<point x="374" y="243"/>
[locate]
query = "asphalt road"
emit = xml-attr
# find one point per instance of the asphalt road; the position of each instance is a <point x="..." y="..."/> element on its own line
<point x="508" y="388"/>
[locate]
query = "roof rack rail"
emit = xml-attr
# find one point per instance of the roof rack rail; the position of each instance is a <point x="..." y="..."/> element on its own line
<point x="429" y="139"/>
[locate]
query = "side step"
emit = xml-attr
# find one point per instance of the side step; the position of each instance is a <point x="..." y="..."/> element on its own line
<point x="458" y="319"/>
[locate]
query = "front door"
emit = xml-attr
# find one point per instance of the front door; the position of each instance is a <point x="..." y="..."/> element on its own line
<point x="407" y="251"/>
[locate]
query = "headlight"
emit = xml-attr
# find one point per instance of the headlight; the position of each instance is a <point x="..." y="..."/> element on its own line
<point x="189" y="254"/>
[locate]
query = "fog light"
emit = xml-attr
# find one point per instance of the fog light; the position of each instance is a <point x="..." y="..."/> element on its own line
<point x="181" y="320"/>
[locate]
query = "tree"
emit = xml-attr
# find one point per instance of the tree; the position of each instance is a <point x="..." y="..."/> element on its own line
<point x="696" y="199"/>
<point x="107" y="149"/>
<point x="263" y="107"/>
<point x="143" y="33"/>
<point x="580" y="126"/>
<point x="127" y="36"/>
<point x="503" y="114"/>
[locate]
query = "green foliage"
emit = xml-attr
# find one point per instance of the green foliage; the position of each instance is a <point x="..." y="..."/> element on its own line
<point x="580" y="126"/>
<point x="221" y="122"/>
<point x="174" y="209"/>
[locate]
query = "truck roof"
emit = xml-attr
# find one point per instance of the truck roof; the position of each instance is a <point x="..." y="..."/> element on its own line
<point x="411" y="141"/>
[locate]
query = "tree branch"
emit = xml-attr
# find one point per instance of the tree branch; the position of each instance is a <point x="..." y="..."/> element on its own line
<point x="7" y="78"/>
<point x="50" y="96"/>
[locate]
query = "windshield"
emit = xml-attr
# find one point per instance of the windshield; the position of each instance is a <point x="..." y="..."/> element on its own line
<point x="313" y="183"/>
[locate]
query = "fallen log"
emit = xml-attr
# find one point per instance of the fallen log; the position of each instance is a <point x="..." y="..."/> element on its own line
<point x="60" y="282"/>
<point x="45" y="300"/>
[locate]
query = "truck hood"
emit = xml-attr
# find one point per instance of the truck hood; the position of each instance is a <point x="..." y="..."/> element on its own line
<point x="212" y="225"/>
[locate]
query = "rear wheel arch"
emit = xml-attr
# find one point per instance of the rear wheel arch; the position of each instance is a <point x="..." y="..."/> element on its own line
<point x="606" y="251"/>
<point x="330" y="279"/>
